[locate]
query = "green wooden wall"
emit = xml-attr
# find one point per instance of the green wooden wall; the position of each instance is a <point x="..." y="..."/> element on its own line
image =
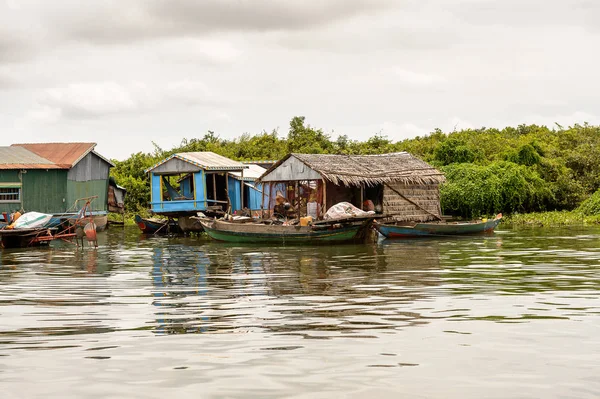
<point x="44" y="191"/>
<point x="9" y="176"/>
<point x="49" y="191"/>
<point x="82" y="189"/>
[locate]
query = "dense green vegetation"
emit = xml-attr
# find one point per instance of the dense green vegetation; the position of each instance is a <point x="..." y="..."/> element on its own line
<point x="520" y="169"/>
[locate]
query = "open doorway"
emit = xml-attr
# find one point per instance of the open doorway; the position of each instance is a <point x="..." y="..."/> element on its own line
<point x="216" y="190"/>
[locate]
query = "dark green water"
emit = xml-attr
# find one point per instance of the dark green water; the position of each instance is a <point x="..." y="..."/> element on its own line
<point x="514" y="315"/>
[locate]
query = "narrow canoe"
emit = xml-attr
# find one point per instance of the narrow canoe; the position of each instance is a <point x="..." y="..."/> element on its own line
<point x="258" y="233"/>
<point x="438" y="229"/>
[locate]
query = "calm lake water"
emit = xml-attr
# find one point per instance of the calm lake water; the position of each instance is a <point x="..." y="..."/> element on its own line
<point x="513" y="315"/>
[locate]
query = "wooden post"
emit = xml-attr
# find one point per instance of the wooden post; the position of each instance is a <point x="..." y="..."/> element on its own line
<point x="214" y="176"/>
<point x="229" y="209"/>
<point x="262" y="200"/>
<point x="242" y="191"/>
<point x="193" y="189"/>
<point x="161" y="188"/>
<point x="324" y="196"/>
<point x="270" y="197"/>
<point x="297" y="195"/>
<point x="204" y="182"/>
<point x="362" y="196"/>
<point x="318" y="205"/>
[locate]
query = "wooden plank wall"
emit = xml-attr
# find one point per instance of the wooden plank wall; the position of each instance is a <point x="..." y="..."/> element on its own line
<point x="426" y="196"/>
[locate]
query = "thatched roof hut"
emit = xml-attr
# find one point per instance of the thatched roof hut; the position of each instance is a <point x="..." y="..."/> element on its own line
<point x="356" y="170"/>
<point x="403" y="186"/>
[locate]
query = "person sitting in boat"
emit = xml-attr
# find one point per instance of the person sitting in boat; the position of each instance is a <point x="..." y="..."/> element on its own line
<point x="282" y="207"/>
<point x="15" y="215"/>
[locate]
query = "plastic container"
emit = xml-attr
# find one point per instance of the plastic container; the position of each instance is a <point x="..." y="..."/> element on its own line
<point x="306" y="221"/>
<point x="311" y="209"/>
<point x="90" y="231"/>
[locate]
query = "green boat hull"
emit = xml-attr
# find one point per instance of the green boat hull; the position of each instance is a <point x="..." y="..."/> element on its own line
<point x="438" y="229"/>
<point x="280" y="234"/>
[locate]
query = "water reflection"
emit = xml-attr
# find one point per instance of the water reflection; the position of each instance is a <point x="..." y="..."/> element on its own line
<point x="307" y="290"/>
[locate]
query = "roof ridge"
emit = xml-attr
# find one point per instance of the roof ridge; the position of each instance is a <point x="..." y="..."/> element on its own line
<point x="54" y="142"/>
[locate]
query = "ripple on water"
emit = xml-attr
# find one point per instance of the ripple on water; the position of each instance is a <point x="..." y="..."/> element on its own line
<point x="161" y="314"/>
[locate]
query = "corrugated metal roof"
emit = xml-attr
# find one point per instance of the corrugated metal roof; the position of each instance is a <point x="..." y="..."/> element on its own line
<point x="264" y="163"/>
<point x="210" y="160"/>
<point x="22" y="158"/>
<point x="252" y="173"/>
<point x="64" y="155"/>
<point x="206" y="160"/>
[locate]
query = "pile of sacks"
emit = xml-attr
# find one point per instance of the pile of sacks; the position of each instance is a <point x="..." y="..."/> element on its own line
<point x="345" y="210"/>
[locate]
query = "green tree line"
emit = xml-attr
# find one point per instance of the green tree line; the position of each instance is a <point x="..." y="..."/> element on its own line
<point x="527" y="168"/>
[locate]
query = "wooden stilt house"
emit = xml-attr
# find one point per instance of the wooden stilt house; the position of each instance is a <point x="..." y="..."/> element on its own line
<point x="51" y="177"/>
<point x="399" y="185"/>
<point x="252" y="192"/>
<point x="186" y="183"/>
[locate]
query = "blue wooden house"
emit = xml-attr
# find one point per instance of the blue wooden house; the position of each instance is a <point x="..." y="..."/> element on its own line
<point x="252" y="193"/>
<point x="189" y="182"/>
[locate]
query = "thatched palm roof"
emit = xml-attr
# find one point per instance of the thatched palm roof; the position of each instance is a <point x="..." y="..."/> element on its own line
<point x="366" y="169"/>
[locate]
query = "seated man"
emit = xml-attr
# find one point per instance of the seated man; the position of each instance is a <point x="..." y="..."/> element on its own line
<point x="282" y="207"/>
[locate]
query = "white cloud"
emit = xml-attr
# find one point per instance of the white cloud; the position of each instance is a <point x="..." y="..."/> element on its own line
<point x="398" y="132"/>
<point x="188" y="92"/>
<point x="12" y="4"/>
<point x="456" y="123"/>
<point x="42" y="114"/>
<point x="199" y="50"/>
<point x="83" y="100"/>
<point x="150" y="19"/>
<point x="411" y="78"/>
<point x="7" y="78"/>
<point x="100" y="99"/>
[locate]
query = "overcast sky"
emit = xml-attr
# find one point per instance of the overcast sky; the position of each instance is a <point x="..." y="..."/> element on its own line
<point x="126" y="73"/>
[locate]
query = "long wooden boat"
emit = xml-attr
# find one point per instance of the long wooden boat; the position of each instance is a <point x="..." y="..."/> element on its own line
<point x="20" y="238"/>
<point x="156" y="226"/>
<point x="61" y="219"/>
<point x="342" y="231"/>
<point x="438" y="229"/>
<point x="37" y="230"/>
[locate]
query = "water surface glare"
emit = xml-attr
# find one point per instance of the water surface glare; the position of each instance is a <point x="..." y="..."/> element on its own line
<point x="513" y="315"/>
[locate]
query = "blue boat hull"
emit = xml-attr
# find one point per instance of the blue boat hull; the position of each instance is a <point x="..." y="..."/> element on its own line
<point x="153" y="226"/>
